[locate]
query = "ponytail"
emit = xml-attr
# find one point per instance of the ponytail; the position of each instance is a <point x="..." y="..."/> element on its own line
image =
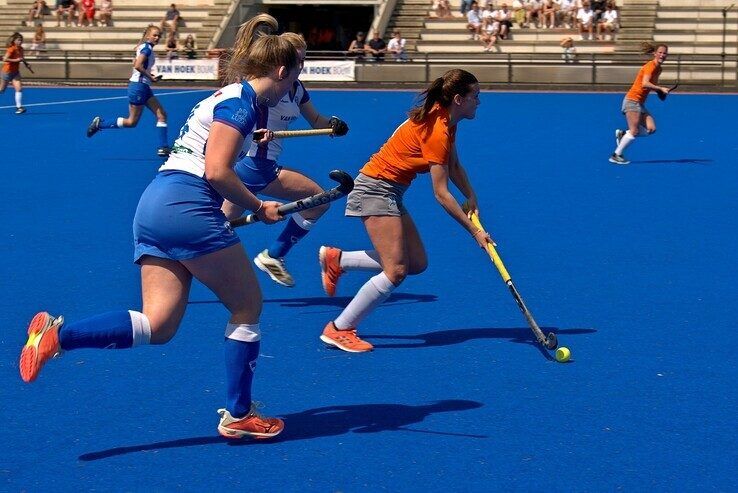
<point x="249" y="31"/>
<point x="442" y="92"/>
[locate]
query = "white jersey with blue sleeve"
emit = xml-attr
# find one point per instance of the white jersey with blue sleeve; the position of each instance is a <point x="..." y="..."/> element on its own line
<point x="147" y="50"/>
<point x="234" y="105"/>
<point x="278" y="118"/>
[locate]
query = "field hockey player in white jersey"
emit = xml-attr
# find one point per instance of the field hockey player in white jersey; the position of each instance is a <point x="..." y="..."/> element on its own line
<point x="140" y="94"/>
<point x="261" y="173"/>
<point x="180" y="232"/>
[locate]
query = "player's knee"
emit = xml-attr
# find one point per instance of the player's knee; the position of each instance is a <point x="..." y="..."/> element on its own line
<point x="418" y="267"/>
<point x="396" y="274"/>
<point x="634" y="132"/>
<point x="163" y="333"/>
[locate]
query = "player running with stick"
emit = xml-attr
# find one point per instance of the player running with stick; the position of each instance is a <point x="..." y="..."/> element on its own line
<point x="180" y="232"/>
<point x="423" y="143"/>
<point x="639" y="120"/>
<point x="140" y="94"/>
<point x="261" y="173"/>
<point x="11" y="70"/>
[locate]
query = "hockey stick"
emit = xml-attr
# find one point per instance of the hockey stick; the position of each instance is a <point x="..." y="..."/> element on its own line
<point x="662" y="95"/>
<point x="345" y="185"/>
<point x="282" y="134"/>
<point x="550" y="341"/>
<point x="28" y="66"/>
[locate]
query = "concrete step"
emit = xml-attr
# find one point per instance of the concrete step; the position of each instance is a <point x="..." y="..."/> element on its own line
<point x="101" y="34"/>
<point x="697" y="37"/>
<point x="512" y="47"/>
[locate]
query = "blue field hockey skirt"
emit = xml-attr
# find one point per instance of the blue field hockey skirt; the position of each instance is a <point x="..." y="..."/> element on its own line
<point x="179" y="218"/>
<point x="139" y="93"/>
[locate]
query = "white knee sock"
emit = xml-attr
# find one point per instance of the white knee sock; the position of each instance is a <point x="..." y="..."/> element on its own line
<point x="18" y="99"/>
<point x="141" y="328"/>
<point x="361" y="260"/>
<point x="372" y="293"/>
<point x="624" y="142"/>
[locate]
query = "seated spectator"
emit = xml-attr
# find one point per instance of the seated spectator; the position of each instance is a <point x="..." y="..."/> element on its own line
<point x="598" y="7"/>
<point x="548" y="14"/>
<point x="376" y="48"/>
<point x="172" y="52"/>
<point x="396" y="46"/>
<point x="490" y="29"/>
<point x="189" y="47"/>
<point x="570" y="53"/>
<point x="65" y="7"/>
<point x="585" y="19"/>
<point x="37" y="12"/>
<point x="567" y="13"/>
<point x="39" y="40"/>
<point x="504" y="17"/>
<point x="474" y="21"/>
<point x="465" y="6"/>
<point x="518" y="12"/>
<point x="532" y="11"/>
<point x="608" y="22"/>
<point x="171" y="19"/>
<point x="105" y="15"/>
<point x="442" y="8"/>
<point x="86" y="12"/>
<point x="356" y="48"/>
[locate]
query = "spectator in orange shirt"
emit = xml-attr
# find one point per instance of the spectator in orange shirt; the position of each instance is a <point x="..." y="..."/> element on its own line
<point x="639" y="120"/>
<point x="424" y="143"/>
<point x="11" y="70"/>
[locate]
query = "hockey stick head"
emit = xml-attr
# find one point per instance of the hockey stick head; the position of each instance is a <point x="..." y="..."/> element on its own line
<point x="345" y="182"/>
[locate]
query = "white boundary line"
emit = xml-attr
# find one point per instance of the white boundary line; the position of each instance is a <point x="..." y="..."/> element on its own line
<point x="73" y="101"/>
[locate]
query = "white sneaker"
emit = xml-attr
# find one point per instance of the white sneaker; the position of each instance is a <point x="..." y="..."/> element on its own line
<point x="275" y="268"/>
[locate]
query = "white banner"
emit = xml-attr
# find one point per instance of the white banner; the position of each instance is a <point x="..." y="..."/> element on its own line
<point x="206" y="69"/>
<point x="332" y="70"/>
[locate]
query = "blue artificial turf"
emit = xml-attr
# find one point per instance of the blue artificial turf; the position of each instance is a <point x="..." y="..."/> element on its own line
<point x="632" y="266"/>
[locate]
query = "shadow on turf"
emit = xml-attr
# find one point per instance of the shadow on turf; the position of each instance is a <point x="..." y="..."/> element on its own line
<point x="322" y="422"/>
<point x="458" y="336"/>
<point x="340" y="301"/>
<point x="675" y="161"/>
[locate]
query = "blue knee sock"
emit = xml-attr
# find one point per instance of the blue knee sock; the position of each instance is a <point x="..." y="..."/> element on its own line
<point x="291" y="234"/>
<point x="161" y="129"/>
<point x="240" y="360"/>
<point x="109" y="123"/>
<point x="112" y="330"/>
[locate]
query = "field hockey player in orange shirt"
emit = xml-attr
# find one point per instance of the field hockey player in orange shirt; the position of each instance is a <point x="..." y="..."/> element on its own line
<point x="425" y="142"/>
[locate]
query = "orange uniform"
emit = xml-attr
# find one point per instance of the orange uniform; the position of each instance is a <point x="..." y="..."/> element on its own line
<point x="12" y="52"/>
<point x="637" y="92"/>
<point x="412" y="148"/>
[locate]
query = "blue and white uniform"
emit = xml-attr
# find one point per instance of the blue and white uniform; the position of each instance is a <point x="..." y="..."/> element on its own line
<point x="258" y="166"/>
<point x="139" y="85"/>
<point x="179" y="216"/>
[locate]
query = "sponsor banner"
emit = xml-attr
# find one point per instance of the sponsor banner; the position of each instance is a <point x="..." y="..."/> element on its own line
<point x="206" y="69"/>
<point x="331" y="70"/>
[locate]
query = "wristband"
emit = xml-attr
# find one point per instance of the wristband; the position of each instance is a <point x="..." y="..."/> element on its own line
<point x="261" y="206"/>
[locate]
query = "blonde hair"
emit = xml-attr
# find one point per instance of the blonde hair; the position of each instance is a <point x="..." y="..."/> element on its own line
<point x="248" y="32"/>
<point x="266" y="53"/>
<point x="650" y="48"/>
<point x="148" y="30"/>
<point x="295" y="40"/>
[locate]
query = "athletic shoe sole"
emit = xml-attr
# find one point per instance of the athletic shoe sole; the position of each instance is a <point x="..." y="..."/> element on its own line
<point x="29" y="367"/>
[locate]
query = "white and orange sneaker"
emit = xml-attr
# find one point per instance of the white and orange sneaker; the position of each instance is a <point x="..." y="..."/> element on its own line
<point x="346" y="340"/>
<point x="42" y="345"/>
<point x="252" y="425"/>
<point x="330" y="268"/>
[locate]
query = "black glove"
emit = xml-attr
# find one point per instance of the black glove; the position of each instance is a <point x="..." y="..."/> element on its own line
<point x="338" y="126"/>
